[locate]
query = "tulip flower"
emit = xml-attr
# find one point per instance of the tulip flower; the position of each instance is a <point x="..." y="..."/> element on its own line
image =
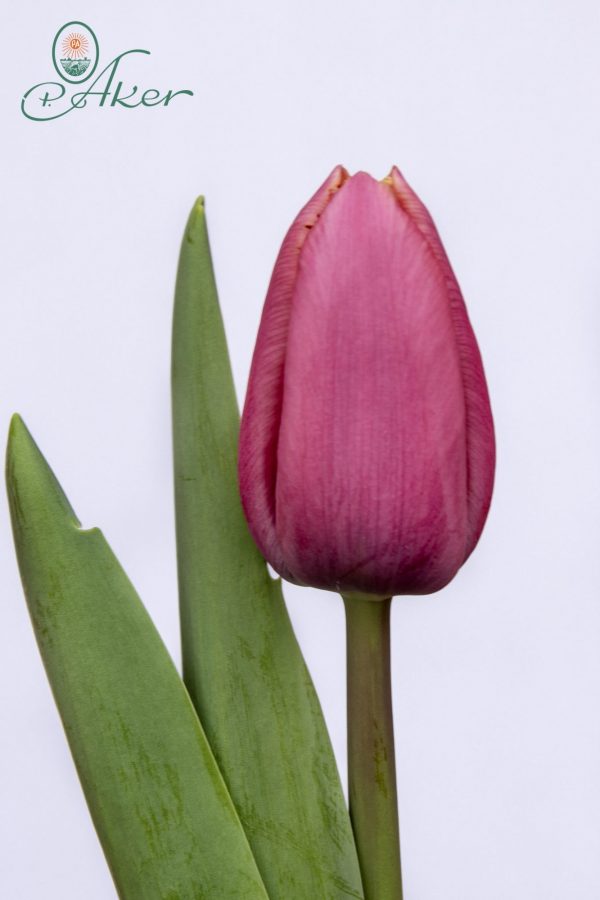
<point x="367" y="447"/>
<point x="367" y="454"/>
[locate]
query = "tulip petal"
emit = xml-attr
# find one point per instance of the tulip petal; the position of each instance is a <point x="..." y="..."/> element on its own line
<point x="373" y="416"/>
<point x="262" y="409"/>
<point x="479" y="422"/>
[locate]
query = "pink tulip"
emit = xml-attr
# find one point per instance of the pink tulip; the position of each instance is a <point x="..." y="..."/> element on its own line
<point x="367" y="443"/>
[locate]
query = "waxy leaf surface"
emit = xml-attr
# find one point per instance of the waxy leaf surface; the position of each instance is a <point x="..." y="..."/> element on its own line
<point x="161" y="809"/>
<point x="242" y="663"/>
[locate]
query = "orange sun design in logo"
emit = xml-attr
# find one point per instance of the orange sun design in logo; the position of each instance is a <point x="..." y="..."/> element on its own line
<point x="75" y="45"/>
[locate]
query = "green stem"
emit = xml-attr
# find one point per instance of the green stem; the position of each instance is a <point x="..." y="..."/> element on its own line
<point x="371" y="761"/>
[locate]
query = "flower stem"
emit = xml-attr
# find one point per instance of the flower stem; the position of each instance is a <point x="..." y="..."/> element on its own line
<point x="371" y="761"/>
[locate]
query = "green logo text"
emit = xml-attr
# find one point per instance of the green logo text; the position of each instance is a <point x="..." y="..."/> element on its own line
<point x="75" y="56"/>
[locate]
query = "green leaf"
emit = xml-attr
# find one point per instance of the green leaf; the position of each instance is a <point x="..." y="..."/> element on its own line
<point x="161" y="809"/>
<point x="242" y="664"/>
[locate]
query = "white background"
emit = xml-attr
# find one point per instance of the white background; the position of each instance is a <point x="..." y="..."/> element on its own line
<point x="492" y="112"/>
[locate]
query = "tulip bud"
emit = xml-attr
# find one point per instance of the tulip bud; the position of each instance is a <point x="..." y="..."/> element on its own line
<point x="367" y="443"/>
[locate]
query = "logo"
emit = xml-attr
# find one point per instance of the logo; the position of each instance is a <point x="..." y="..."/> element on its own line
<point x="76" y="56"/>
<point x="75" y="52"/>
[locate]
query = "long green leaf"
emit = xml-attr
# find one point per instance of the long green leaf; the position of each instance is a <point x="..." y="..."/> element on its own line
<point x="161" y="809"/>
<point x="242" y="664"/>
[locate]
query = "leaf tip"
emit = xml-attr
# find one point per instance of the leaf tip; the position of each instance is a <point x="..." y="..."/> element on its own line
<point x="196" y="225"/>
<point x="18" y="437"/>
<point x="29" y="477"/>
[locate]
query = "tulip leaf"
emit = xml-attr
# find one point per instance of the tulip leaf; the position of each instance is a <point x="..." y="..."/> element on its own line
<point x="241" y="662"/>
<point x="161" y="809"/>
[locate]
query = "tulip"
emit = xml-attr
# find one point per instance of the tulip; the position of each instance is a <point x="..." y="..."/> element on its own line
<point x="367" y="446"/>
<point x="367" y="454"/>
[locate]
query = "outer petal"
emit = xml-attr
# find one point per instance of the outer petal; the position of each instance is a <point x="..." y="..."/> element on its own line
<point x="371" y="474"/>
<point x="262" y="410"/>
<point x="481" y="454"/>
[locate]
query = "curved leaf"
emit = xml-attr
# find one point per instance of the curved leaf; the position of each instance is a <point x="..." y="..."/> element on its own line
<point x="241" y="661"/>
<point x="161" y="809"/>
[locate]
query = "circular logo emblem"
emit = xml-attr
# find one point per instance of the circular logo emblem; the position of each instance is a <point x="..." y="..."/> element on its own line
<point x="75" y="52"/>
